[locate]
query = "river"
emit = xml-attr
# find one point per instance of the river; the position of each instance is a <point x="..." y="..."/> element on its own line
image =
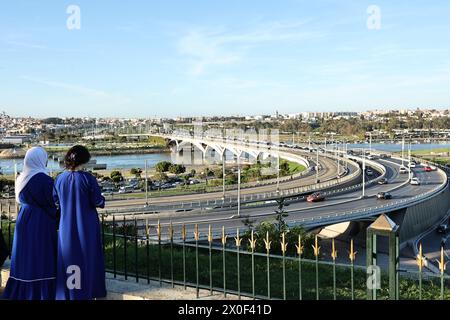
<point x="126" y="162"/>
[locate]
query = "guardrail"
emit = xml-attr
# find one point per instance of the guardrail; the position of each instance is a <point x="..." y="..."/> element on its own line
<point x="357" y="214"/>
<point x="265" y="196"/>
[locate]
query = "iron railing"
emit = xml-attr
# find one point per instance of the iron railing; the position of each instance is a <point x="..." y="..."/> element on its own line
<point x="252" y="265"/>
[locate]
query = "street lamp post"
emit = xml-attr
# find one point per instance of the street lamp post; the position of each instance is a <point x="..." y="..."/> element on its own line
<point x="239" y="186"/>
<point x="364" y="174"/>
<point x="146" y="185"/>
<point x="338" y="158"/>
<point x="409" y="160"/>
<point x="223" y="177"/>
<point x="278" y="173"/>
<point x="403" y="150"/>
<point x="317" y="165"/>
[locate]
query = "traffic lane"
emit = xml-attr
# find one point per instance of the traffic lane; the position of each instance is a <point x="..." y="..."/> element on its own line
<point x="329" y="172"/>
<point x="431" y="247"/>
<point x="335" y="200"/>
<point x="294" y="216"/>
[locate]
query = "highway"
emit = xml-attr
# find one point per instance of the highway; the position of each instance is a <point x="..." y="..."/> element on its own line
<point x="328" y="173"/>
<point x="398" y="186"/>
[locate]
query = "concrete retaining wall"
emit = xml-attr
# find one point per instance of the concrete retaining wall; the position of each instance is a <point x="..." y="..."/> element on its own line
<point x="420" y="217"/>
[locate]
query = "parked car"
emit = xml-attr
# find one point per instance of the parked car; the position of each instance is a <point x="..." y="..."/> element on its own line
<point x="384" y="196"/>
<point x="442" y="228"/>
<point x="383" y="181"/>
<point x="415" y="181"/>
<point x="126" y="189"/>
<point x="315" y="197"/>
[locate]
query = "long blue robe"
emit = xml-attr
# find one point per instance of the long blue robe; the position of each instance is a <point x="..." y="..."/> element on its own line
<point x="33" y="259"/>
<point x="80" y="261"/>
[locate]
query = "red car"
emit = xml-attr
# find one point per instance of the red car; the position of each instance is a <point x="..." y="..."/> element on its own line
<point x="428" y="169"/>
<point x="315" y="197"/>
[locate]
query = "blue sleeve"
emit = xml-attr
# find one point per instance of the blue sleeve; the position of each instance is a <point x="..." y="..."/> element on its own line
<point x="97" y="200"/>
<point x="43" y="196"/>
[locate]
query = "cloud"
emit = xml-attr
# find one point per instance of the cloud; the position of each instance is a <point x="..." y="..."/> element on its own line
<point x="214" y="48"/>
<point x="26" y="44"/>
<point x="77" y="89"/>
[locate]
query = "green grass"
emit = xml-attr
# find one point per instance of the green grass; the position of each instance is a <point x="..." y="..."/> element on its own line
<point x="294" y="167"/>
<point x="409" y="289"/>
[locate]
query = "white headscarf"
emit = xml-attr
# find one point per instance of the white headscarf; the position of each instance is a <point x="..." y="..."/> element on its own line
<point x="35" y="162"/>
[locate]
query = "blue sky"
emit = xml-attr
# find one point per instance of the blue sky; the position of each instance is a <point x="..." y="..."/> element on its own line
<point x="198" y="57"/>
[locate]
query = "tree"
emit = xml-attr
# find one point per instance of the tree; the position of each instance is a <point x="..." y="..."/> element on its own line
<point x="116" y="176"/>
<point x="161" y="177"/>
<point x="280" y="223"/>
<point x="163" y="166"/>
<point x="177" y="168"/>
<point x="136" y="172"/>
<point x="218" y="173"/>
<point x="249" y="223"/>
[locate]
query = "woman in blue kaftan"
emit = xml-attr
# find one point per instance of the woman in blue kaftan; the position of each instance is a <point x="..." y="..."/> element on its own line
<point x="80" y="261"/>
<point x="33" y="259"/>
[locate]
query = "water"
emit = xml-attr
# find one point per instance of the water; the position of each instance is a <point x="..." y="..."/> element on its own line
<point x="126" y="162"/>
<point x="113" y="162"/>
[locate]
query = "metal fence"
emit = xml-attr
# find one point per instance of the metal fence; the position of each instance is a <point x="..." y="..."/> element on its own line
<point x="258" y="266"/>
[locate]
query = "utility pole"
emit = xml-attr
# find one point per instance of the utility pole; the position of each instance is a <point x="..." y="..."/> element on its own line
<point x="239" y="185"/>
<point x="146" y="184"/>
<point x="403" y="149"/>
<point x="338" y="159"/>
<point x="370" y="143"/>
<point x="223" y="176"/>
<point x="364" y="174"/>
<point x="309" y="141"/>
<point x="317" y="164"/>
<point x="409" y="160"/>
<point x="278" y="173"/>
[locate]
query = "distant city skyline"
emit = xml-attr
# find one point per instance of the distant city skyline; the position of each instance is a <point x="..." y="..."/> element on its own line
<point x="197" y="58"/>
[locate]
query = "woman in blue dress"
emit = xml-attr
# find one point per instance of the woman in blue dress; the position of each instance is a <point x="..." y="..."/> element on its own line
<point x="80" y="261"/>
<point x="33" y="259"/>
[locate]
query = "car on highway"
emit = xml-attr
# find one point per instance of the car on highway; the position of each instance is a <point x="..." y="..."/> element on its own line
<point x="369" y="172"/>
<point x="429" y="169"/>
<point x="412" y="164"/>
<point x="442" y="228"/>
<point x="383" y="181"/>
<point x="403" y="170"/>
<point x="415" y="181"/>
<point x="315" y="197"/>
<point x="384" y="196"/>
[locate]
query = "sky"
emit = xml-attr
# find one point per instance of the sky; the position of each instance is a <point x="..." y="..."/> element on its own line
<point x="222" y="57"/>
